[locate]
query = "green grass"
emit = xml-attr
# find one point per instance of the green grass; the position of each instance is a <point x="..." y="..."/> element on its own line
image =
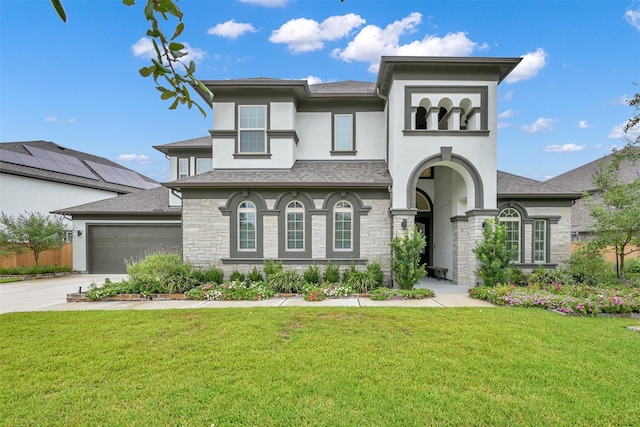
<point x="318" y="367"/>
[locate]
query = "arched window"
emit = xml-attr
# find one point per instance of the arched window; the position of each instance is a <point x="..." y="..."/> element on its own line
<point x="295" y="226"/>
<point x="342" y="226"/>
<point x="247" y="226"/>
<point x="510" y="218"/>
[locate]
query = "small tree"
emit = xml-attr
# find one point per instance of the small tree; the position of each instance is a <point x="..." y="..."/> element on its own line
<point x="405" y="257"/>
<point x="33" y="232"/>
<point x="616" y="210"/>
<point x="492" y="253"/>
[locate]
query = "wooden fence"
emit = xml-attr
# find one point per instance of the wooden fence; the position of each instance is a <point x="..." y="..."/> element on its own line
<point x="62" y="257"/>
<point x="609" y="254"/>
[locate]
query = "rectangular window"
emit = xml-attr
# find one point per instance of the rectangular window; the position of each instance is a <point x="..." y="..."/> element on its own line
<point x="539" y="240"/>
<point x="343" y="231"/>
<point x="343" y="132"/>
<point x="204" y="165"/>
<point x="247" y="231"/>
<point x="295" y="231"/>
<point x="252" y="129"/>
<point x="183" y="168"/>
<point x="512" y="239"/>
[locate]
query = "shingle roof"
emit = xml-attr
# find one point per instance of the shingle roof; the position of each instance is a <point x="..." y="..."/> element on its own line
<point x="202" y="142"/>
<point x="304" y="173"/>
<point x="27" y="171"/>
<point x="145" y="202"/>
<point x="346" y="87"/>
<point x="581" y="178"/>
<point x="510" y="185"/>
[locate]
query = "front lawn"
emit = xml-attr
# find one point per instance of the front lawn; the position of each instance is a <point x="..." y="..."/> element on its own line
<point x="318" y="367"/>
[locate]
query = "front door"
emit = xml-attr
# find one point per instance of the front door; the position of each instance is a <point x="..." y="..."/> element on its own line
<point x="423" y="222"/>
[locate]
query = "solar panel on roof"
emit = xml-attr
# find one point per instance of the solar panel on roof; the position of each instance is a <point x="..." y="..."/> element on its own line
<point x="120" y="176"/>
<point x="53" y="162"/>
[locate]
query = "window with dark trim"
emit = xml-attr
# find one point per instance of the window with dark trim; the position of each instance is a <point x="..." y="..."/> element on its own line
<point x="183" y="167"/>
<point x="510" y="218"/>
<point x="252" y="129"/>
<point x="247" y="224"/>
<point x="295" y="226"/>
<point x="539" y="240"/>
<point x="343" y="226"/>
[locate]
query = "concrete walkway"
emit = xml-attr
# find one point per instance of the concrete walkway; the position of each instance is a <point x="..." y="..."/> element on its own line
<point x="50" y="295"/>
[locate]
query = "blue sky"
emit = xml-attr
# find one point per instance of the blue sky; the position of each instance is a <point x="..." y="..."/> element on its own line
<point x="77" y="84"/>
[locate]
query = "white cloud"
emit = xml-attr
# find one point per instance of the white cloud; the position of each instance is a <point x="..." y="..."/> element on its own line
<point x="621" y="100"/>
<point x="618" y="132"/>
<point x="52" y="119"/>
<point x="312" y="80"/>
<point x="531" y="63"/>
<point x="563" y="148"/>
<point x="540" y="125"/>
<point x="633" y="18"/>
<point x="508" y="96"/>
<point x="138" y="158"/>
<point x="267" y="3"/>
<point x="143" y="48"/>
<point x="373" y="41"/>
<point x="582" y="124"/>
<point x="231" y="29"/>
<point x="508" y="114"/>
<point x="305" y="35"/>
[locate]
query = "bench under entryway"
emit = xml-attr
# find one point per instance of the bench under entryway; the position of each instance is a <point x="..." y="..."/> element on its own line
<point x="439" y="273"/>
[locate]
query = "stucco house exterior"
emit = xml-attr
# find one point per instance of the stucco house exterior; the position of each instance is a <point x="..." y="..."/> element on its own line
<point x="308" y="174"/>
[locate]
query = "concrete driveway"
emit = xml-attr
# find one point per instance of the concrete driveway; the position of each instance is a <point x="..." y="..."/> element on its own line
<point x="41" y="294"/>
<point x="51" y="295"/>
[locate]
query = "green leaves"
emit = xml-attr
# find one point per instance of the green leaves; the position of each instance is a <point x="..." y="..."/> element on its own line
<point x="405" y="257"/>
<point x="33" y="232"/>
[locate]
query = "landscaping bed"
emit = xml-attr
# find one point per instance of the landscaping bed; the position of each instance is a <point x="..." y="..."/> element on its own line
<point x="164" y="276"/>
<point x="573" y="299"/>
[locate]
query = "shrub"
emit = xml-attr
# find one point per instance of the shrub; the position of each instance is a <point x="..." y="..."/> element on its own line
<point x="405" y="257"/>
<point x="148" y="275"/>
<point x="492" y="254"/>
<point x="361" y="281"/>
<point x="375" y="269"/>
<point x="632" y="265"/>
<point x="589" y="267"/>
<point x="231" y="291"/>
<point x="382" y="294"/>
<point x="255" y="275"/>
<point x="236" y="275"/>
<point x="178" y="280"/>
<point x="286" y="281"/>
<point x="311" y="274"/>
<point x="332" y="273"/>
<point x="41" y="269"/>
<point x="209" y="275"/>
<point x="348" y="272"/>
<point x="551" y="277"/>
<point x="271" y="267"/>
<point x="109" y="289"/>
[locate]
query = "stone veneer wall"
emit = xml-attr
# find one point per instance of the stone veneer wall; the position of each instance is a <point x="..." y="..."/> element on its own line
<point x="206" y="237"/>
<point x="560" y="233"/>
<point x="205" y="232"/>
<point x="466" y="232"/>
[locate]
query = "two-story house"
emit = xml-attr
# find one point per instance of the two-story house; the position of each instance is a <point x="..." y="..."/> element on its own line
<point x="311" y="173"/>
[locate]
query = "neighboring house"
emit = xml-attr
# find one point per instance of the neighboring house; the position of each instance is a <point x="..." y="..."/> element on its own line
<point x="308" y="174"/>
<point x="43" y="177"/>
<point x="581" y="180"/>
